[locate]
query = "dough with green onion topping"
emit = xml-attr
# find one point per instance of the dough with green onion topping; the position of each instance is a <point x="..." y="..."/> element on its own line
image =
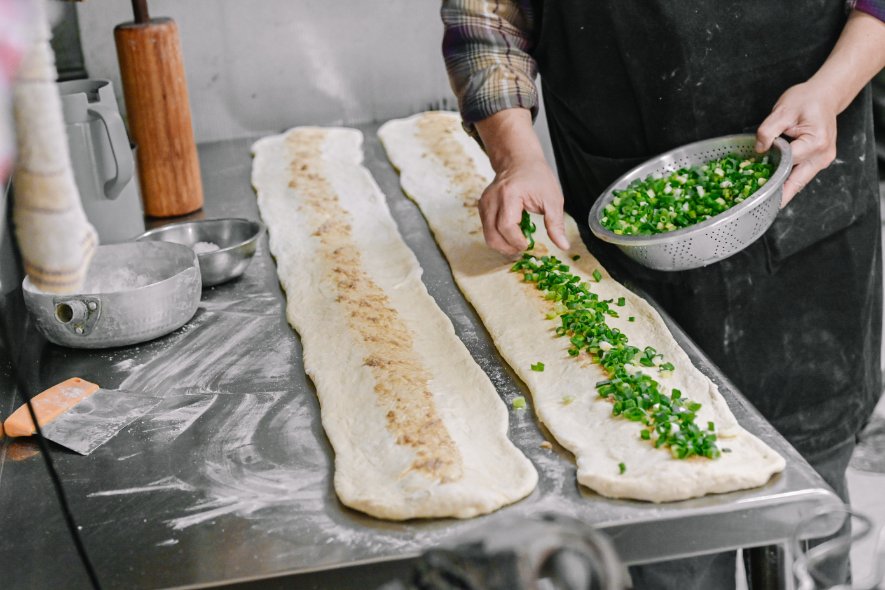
<point x="445" y="172"/>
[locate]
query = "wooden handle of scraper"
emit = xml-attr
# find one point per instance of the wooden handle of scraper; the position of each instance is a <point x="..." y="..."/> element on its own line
<point x="155" y="89"/>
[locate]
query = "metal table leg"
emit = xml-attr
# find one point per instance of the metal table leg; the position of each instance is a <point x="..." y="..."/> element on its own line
<point x="769" y="567"/>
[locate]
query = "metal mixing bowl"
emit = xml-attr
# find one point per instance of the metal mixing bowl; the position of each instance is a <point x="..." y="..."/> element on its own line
<point x="713" y="239"/>
<point x="236" y="240"/>
<point x="133" y="292"/>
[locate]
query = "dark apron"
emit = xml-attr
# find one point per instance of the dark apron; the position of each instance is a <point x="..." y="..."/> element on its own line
<point x="795" y="319"/>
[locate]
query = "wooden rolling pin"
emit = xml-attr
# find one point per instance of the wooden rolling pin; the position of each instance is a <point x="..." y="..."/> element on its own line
<point x="155" y="90"/>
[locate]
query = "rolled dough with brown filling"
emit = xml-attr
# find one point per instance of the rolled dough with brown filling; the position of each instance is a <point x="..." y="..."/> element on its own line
<point x="417" y="427"/>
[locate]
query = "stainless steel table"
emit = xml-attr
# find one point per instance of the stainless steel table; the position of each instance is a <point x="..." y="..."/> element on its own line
<point x="229" y="478"/>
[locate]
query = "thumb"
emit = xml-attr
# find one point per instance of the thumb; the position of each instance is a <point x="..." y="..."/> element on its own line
<point x="773" y="125"/>
<point x="555" y="224"/>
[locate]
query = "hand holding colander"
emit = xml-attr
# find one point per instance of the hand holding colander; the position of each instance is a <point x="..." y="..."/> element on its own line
<point x="713" y="239"/>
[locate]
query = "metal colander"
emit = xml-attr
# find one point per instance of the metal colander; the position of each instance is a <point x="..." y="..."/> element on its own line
<point x="716" y="238"/>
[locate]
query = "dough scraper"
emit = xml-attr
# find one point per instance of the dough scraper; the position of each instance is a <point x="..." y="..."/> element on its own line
<point x="79" y="415"/>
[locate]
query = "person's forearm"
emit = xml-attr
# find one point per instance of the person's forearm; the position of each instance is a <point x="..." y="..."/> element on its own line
<point x="509" y="138"/>
<point x="857" y="57"/>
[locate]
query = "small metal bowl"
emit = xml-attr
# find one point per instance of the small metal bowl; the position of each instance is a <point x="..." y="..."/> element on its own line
<point x="236" y="240"/>
<point x="716" y="238"/>
<point x="133" y="292"/>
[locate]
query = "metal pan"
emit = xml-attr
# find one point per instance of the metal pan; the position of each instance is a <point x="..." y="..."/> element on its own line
<point x="133" y="292"/>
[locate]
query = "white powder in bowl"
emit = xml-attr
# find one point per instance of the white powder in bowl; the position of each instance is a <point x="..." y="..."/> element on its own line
<point x="114" y="280"/>
<point x="205" y="247"/>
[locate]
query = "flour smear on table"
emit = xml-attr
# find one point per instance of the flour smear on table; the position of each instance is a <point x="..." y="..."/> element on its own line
<point x="444" y="171"/>
<point x="417" y="428"/>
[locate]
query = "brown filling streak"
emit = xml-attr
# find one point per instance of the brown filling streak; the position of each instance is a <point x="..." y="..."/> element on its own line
<point x="400" y="376"/>
<point x="437" y="132"/>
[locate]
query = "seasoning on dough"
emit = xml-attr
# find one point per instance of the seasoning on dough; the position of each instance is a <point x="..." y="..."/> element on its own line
<point x="400" y="376"/>
<point x="438" y="132"/>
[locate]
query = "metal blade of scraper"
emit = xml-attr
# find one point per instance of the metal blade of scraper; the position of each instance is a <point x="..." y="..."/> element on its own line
<point x="97" y="419"/>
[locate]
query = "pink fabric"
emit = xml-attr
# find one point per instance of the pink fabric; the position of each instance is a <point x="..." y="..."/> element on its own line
<point x="15" y="18"/>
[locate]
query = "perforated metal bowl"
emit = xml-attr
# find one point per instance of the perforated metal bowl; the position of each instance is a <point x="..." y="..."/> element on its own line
<point x="716" y="238"/>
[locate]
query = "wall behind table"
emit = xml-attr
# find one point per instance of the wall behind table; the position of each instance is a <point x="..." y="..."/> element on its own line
<point x="266" y="65"/>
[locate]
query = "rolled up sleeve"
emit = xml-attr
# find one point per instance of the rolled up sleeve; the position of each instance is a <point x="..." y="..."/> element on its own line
<point x="486" y="46"/>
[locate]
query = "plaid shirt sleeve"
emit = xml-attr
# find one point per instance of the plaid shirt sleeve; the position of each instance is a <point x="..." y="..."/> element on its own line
<point x="486" y="46"/>
<point x="873" y="7"/>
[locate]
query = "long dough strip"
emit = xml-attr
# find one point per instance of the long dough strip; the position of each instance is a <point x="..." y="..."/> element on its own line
<point x="417" y="427"/>
<point x="444" y="171"/>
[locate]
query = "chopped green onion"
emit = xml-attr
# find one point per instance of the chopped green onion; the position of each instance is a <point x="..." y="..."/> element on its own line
<point x="576" y="257"/>
<point x="631" y="319"/>
<point x="518" y="403"/>
<point x="581" y="317"/>
<point x="622" y="301"/>
<point x="528" y="228"/>
<point x="622" y="468"/>
<point x="686" y="196"/>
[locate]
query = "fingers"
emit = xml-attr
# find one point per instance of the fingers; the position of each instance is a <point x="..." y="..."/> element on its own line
<point x="555" y="224"/>
<point x="488" y="214"/>
<point x="509" y="216"/>
<point x="812" y="146"/>
<point x="811" y="154"/>
<point x="776" y="123"/>
<point x="801" y="175"/>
